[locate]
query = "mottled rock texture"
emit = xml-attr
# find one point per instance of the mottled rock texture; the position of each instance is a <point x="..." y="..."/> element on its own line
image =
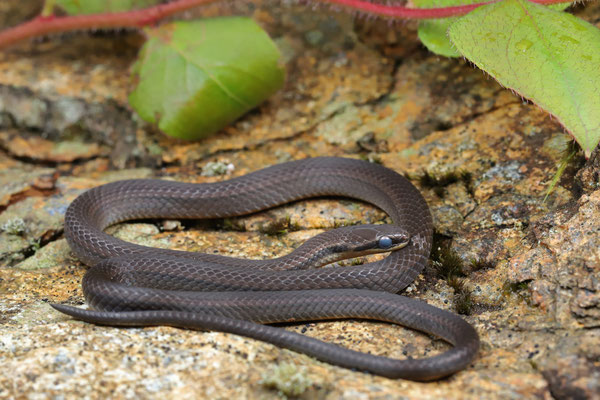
<point x="482" y="158"/>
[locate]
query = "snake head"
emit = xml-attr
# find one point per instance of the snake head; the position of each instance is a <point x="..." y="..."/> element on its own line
<point x="349" y="242"/>
<point x="370" y="239"/>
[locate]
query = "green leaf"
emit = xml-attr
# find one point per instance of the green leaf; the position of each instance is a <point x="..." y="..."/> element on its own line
<point x="433" y="35"/>
<point x="78" y="7"/>
<point x="559" y="6"/>
<point x="433" y="32"/>
<point x="548" y="56"/>
<point x="194" y="78"/>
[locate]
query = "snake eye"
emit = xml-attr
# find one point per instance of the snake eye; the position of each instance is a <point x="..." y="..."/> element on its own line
<point x="384" y="242"/>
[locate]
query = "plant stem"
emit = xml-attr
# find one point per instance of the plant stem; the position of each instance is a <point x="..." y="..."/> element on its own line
<point x="44" y="25"/>
<point x="399" y="12"/>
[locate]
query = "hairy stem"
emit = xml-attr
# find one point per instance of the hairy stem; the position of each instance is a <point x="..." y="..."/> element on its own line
<point x="44" y="25"/>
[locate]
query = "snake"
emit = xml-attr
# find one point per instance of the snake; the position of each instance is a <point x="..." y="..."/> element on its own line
<point x="129" y="284"/>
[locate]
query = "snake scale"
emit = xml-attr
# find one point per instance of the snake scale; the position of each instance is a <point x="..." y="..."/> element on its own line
<point x="133" y="285"/>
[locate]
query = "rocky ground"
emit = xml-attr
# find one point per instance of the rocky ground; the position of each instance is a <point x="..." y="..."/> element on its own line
<point x="483" y="158"/>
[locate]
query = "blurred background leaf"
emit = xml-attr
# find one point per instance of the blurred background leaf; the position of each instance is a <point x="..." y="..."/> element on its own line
<point x="548" y="56"/>
<point x="433" y="33"/>
<point x="77" y="7"/>
<point x="194" y="78"/>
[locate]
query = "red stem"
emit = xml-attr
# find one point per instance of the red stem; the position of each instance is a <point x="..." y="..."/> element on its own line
<point x="138" y="18"/>
<point x="399" y="12"/>
<point x="128" y="19"/>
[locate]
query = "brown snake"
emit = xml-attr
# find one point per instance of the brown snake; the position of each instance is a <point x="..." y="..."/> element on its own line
<point x="133" y="285"/>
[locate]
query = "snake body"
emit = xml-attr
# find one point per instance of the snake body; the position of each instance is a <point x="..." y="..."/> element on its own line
<point x="133" y="285"/>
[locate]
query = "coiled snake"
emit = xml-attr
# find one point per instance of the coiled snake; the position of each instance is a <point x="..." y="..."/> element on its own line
<point x="133" y="285"/>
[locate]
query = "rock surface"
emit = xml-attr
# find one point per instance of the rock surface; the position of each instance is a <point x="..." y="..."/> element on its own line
<point x="354" y="89"/>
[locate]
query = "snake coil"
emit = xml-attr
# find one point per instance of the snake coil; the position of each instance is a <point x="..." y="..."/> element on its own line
<point x="133" y="285"/>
